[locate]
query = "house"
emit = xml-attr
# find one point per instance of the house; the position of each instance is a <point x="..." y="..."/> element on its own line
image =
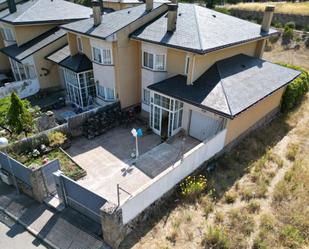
<point x="188" y="67"/>
<point x="29" y="33"/>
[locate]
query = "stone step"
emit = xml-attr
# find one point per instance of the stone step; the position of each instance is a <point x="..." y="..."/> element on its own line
<point x="54" y="202"/>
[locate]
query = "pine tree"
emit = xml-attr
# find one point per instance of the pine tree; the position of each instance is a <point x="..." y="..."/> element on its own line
<point x="18" y="117"/>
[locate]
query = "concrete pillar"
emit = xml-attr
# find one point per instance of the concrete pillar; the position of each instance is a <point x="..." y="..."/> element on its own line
<point x="39" y="189"/>
<point x="59" y="187"/>
<point x="113" y="229"/>
<point x="190" y="76"/>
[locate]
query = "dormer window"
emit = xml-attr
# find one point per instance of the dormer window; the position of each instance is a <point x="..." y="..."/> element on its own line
<point x="154" y="61"/>
<point x="79" y="44"/>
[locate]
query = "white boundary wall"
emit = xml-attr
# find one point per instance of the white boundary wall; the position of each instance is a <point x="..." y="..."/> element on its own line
<point x="165" y="181"/>
<point x="23" y="88"/>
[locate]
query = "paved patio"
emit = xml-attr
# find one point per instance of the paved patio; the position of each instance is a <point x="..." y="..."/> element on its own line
<point x="107" y="160"/>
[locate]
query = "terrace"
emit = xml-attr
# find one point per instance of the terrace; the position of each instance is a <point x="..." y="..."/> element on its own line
<point x="107" y="160"/>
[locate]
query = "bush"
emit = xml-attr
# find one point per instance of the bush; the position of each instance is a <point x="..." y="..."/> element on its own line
<point x="230" y="197"/>
<point x="56" y="139"/>
<point x="292" y="150"/>
<point x="291" y="237"/>
<point x="278" y="25"/>
<point x="253" y="206"/>
<point x="295" y="90"/>
<point x="193" y="186"/>
<point x="307" y="42"/>
<point x="287" y="35"/>
<point x="307" y="28"/>
<point x="215" y="238"/>
<point x="290" y="25"/>
<point x="208" y="205"/>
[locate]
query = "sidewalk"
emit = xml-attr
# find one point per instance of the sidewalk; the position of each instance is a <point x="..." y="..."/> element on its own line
<point x="66" y="230"/>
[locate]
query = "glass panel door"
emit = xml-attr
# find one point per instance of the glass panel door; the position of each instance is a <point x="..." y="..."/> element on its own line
<point x="156" y="119"/>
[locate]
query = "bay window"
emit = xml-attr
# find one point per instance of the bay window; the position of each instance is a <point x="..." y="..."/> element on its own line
<point x="102" y="56"/>
<point x="80" y="87"/>
<point x="154" y="61"/>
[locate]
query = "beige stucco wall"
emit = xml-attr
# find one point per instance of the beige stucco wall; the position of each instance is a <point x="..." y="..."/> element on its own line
<point x="119" y="6"/>
<point x="72" y="41"/>
<point x="27" y="33"/>
<point x="249" y="117"/>
<point x="52" y="79"/>
<point x="4" y="61"/>
<point x="203" y="62"/>
<point x="175" y="62"/>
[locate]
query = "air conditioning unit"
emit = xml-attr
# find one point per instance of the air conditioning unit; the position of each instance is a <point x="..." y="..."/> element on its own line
<point x="6" y="178"/>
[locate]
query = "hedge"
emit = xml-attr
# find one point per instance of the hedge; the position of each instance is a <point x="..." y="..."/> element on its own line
<point x="295" y="90"/>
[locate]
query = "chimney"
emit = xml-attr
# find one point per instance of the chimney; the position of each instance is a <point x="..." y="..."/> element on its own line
<point x="12" y="6"/>
<point x="267" y="18"/>
<point x="172" y="17"/>
<point x="97" y="13"/>
<point x="149" y="5"/>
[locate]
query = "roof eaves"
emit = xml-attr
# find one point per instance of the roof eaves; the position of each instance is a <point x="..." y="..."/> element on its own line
<point x="42" y="22"/>
<point x="193" y="103"/>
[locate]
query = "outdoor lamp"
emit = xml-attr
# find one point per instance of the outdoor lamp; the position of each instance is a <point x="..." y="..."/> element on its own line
<point x="3" y="144"/>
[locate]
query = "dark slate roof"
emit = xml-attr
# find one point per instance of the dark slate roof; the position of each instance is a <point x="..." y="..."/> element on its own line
<point x="45" y="11"/>
<point x="29" y="48"/>
<point x="200" y="30"/>
<point x="111" y="23"/>
<point x="230" y="86"/>
<point x="60" y="54"/>
<point x="77" y="63"/>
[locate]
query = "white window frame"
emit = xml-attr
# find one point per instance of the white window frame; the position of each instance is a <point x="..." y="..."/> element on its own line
<point x="29" y="70"/>
<point x="80" y="46"/>
<point x="104" y="59"/>
<point x="105" y="90"/>
<point x="6" y="36"/>
<point x="155" y="68"/>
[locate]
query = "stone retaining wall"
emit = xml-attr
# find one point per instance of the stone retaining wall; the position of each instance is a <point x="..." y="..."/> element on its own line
<point x="300" y="21"/>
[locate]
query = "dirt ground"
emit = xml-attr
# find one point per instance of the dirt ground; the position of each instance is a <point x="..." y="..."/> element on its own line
<point x="291" y="56"/>
<point x="245" y="183"/>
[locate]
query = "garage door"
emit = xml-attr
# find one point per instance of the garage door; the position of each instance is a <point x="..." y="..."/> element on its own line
<point x="203" y="127"/>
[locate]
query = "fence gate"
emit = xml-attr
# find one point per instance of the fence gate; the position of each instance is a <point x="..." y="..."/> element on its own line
<point x="49" y="179"/>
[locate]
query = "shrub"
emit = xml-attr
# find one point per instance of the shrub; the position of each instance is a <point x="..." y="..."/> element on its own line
<point x="287" y="35"/>
<point x="291" y="237"/>
<point x="306" y="28"/>
<point x="219" y="217"/>
<point x="215" y="238"/>
<point x="253" y="206"/>
<point x="291" y="153"/>
<point x="307" y="42"/>
<point x="56" y="139"/>
<point x="278" y="25"/>
<point x="208" y="205"/>
<point x="295" y="90"/>
<point x="230" y="197"/>
<point x="290" y="25"/>
<point x="259" y="244"/>
<point x="193" y="186"/>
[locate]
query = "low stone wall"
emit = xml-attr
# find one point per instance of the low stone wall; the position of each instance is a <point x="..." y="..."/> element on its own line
<point x="300" y="21"/>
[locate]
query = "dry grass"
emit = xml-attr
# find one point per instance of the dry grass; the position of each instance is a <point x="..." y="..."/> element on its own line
<point x="246" y="172"/>
<point x="286" y="8"/>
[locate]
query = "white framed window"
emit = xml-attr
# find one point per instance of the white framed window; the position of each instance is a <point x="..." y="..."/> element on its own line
<point x="102" y="56"/>
<point x="154" y="61"/>
<point x="8" y="34"/>
<point x="79" y="44"/>
<point x="146" y="96"/>
<point x="105" y="93"/>
<point x="22" y="71"/>
<point x="187" y="64"/>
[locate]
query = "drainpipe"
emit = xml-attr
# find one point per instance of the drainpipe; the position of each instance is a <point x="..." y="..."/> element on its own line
<point x="97" y="14"/>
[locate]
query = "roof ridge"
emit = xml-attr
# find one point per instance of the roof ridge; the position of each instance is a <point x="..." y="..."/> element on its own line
<point x="227" y="101"/>
<point x="198" y="27"/>
<point x="27" y="10"/>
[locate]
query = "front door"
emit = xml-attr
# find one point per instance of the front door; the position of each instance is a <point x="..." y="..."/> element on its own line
<point x="164" y="124"/>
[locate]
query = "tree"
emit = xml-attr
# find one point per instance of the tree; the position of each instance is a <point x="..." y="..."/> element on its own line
<point x="4" y="107"/>
<point x="19" y="119"/>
